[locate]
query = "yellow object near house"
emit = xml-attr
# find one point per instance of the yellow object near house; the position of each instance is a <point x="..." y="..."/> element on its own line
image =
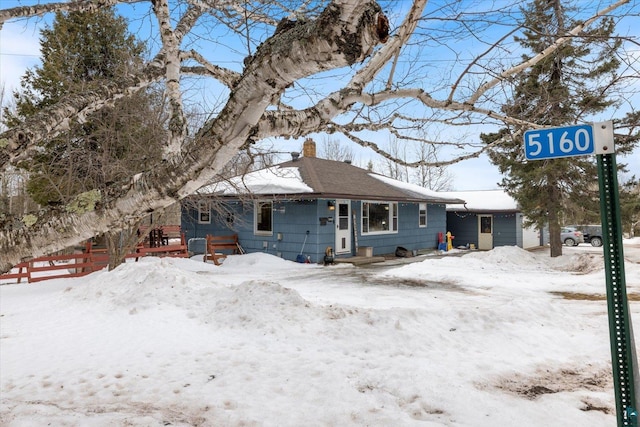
<point x="450" y="241"/>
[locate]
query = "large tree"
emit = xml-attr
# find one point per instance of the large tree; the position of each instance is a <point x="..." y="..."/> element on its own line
<point x="630" y="206"/>
<point x="569" y="86"/>
<point x="296" y="69"/>
<point x="81" y="51"/>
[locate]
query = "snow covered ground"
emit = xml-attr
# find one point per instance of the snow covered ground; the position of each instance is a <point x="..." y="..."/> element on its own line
<point x="499" y="338"/>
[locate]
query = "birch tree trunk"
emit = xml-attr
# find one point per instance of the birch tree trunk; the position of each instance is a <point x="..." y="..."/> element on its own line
<point x="120" y="243"/>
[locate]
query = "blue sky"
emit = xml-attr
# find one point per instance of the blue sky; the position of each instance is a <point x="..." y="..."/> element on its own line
<point x="19" y="49"/>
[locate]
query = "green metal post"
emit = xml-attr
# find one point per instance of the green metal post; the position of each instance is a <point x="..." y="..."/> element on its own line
<point x="620" y="329"/>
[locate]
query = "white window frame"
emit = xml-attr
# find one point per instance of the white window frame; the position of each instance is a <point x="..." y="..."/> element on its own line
<point x="204" y="212"/>
<point x="422" y="215"/>
<point x="392" y="218"/>
<point x="257" y="213"/>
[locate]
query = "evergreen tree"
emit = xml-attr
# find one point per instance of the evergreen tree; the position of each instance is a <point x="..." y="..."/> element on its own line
<point x="566" y="88"/>
<point x="81" y="52"/>
<point x="630" y="206"/>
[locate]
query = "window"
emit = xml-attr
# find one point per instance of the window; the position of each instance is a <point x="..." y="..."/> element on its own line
<point x="204" y="212"/>
<point x="485" y="224"/>
<point x="263" y="218"/>
<point x="378" y="218"/>
<point x="422" y="215"/>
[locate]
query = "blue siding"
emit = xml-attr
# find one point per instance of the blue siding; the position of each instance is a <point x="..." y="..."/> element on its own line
<point x="409" y="235"/>
<point x="519" y="234"/>
<point x="464" y="226"/>
<point x="504" y="230"/>
<point x="507" y="228"/>
<point x="292" y="220"/>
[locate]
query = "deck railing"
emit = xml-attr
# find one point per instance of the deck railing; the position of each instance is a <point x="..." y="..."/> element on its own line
<point x="93" y="259"/>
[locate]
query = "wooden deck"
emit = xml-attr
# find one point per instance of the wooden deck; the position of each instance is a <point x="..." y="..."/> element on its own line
<point x="166" y="240"/>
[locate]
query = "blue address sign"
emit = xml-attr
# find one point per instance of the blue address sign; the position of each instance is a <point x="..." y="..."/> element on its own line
<point x="551" y="143"/>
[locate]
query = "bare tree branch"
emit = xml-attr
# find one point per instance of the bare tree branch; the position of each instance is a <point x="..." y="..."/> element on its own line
<point x="19" y="143"/>
<point x="545" y="53"/>
<point x="227" y="77"/>
<point x="42" y="9"/>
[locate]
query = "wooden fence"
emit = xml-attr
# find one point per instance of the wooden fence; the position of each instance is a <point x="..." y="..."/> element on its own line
<point x="161" y="242"/>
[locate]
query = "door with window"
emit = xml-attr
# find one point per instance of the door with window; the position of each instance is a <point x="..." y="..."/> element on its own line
<point x="485" y="232"/>
<point x="343" y="226"/>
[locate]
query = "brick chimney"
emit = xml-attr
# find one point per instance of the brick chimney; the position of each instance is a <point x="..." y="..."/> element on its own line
<point x="309" y="148"/>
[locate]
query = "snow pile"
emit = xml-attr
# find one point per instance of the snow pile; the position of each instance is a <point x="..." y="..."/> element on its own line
<point x="579" y="263"/>
<point x="480" y="339"/>
<point x="509" y="267"/>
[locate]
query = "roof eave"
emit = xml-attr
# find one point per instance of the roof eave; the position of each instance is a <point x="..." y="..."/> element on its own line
<point x="330" y="196"/>
<point x="483" y="210"/>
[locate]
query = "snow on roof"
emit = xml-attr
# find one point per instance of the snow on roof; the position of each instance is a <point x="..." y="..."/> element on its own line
<point x="484" y="200"/>
<point x="312" y="175"/>
<point x="273" y="180"/>
<point x="414" y="188"/>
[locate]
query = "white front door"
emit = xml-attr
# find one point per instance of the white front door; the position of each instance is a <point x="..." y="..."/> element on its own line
<point x="485" y="232"/>
<point x="343" y="226"/>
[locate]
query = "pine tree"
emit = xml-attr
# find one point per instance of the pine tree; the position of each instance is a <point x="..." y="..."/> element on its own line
<point x="630" y="206"/>
<point x="81" y="52"/>
<point x="568" y="87"/>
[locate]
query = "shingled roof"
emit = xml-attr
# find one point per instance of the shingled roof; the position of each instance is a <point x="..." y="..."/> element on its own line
<point x="313" y="178"/>
<point x="333" y="179"/>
